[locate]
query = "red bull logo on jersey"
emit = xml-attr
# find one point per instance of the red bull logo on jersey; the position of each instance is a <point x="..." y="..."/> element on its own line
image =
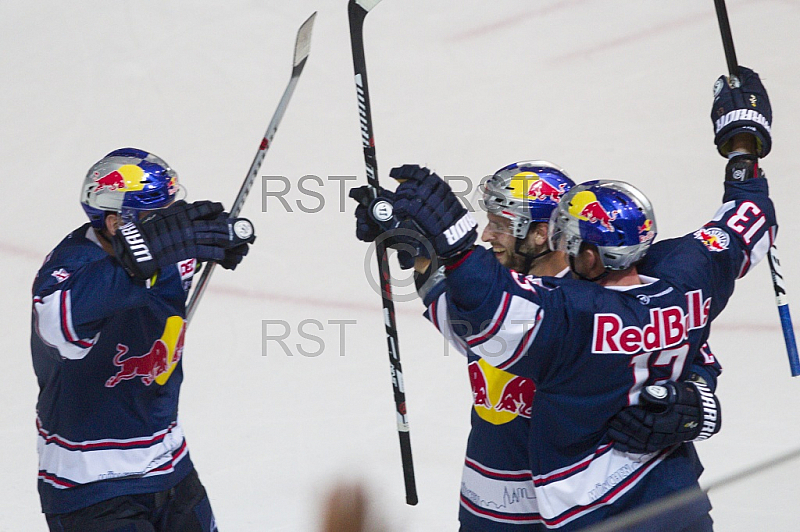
<point x="158" y="363"/>
<point x="498" y="396"/>
<point x="532" y="186"/>
<point x="713" y="238"/>
<point x="668" y="327"/>
<point x="126" y="177"/>
<point x="584" y="206"/>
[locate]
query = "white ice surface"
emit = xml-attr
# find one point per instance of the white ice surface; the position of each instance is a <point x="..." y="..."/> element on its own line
<point x="608" y="89"/>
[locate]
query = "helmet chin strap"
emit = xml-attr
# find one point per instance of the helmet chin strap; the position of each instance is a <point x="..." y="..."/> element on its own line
<point x="529" y="258"/>
<point x="581" y="276"/>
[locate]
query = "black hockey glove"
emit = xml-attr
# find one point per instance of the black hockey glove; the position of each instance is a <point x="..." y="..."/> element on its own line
<point x="742" y="109"/>
<point x="427" y="201"/>
<point x="242" y="231"/>
<point x="199" y="230"/>
<point x="375" y="217"/>
<point x="671" y="413"/>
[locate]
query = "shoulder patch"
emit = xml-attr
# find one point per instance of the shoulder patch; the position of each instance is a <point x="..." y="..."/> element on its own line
<point x="714" y="238"/>
<point x="61" y="275"/>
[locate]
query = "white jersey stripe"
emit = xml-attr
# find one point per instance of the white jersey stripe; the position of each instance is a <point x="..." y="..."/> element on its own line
<point x="495" y="323"/>
<point x="84" y="462"/>
<point x="511" y="500"/>
<point x="520" y="326"/>
<point x="573" y="492"/>
<point x="54" y="326"/>
<point x="439" y="315"/>
<point x="760" y="251"/>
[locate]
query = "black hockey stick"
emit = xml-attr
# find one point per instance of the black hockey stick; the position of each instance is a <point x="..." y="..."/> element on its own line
<point x="357" y="11"/>
<point x="778" y="284"/>
<point x="302" y="47"/>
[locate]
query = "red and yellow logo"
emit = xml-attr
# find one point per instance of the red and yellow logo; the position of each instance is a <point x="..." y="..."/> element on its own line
<point x="126" y="177"/>
<point x="158" y="363"/>
<point x="498" y="396"/>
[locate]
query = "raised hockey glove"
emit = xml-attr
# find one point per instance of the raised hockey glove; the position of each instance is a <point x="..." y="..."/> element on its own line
<point x="744" y="108"/>
<point x="671" y="413"/>
<point x="198" y="230"/>
<point x="242" y="235"/>
<point x="375" y="217"/>
<point x="426" y="200"/>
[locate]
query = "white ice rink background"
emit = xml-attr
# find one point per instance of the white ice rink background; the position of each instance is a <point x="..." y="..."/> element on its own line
<point x="607" y="89"/>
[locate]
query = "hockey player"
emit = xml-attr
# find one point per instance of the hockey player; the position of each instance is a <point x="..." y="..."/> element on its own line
<point x="578" y="339"/>
<point x="108" y="328"/>
<point x="497" y="491"/>
<point x="625" y="332"/>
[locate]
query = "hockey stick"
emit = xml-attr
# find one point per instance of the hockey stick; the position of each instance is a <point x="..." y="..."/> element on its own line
<point x="357" y="11"/>
<point x="302" y="47"/>
<point x="778" y="285"/>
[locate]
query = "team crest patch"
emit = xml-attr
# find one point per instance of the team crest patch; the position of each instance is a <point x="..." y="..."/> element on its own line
<point x="713" y="238"/>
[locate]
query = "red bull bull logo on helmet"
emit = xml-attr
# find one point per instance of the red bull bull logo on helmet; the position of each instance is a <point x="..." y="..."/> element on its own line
<point x="584" y="206"/>
<point x="532" y="186"/>
<point x="158" y="363"/>
<point x="498" y="396"/>
<point x="714" y="238"/>
<point x="646" y="231"/>
<point x="126" y="177"/>
<point x="172" y="187"/>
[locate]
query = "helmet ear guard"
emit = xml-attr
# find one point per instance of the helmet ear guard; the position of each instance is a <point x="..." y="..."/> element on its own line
<point x="612" y="215"/>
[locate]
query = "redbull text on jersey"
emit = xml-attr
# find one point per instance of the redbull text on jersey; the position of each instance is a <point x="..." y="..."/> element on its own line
<point x="668" y="327"/>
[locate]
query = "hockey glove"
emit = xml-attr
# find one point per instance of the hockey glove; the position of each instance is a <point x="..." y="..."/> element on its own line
<point x="741" y="109"/>
<point x="241" y="236"/>
<point x="199" y="230"/>
<point x="671" y="413"/>
<point x="375" y="217"/>
<point x="427" y="201"/>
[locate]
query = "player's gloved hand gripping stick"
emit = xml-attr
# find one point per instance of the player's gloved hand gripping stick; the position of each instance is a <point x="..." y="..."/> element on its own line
<point x="375" y="220"/>
<point x="742" y="106"/>
<point x="357" y="11"/>
<point x="181" y="231"/>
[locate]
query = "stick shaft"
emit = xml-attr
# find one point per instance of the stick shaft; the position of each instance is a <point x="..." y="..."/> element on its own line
<point x="301" y="51"/>
<point x="357" y="12"/>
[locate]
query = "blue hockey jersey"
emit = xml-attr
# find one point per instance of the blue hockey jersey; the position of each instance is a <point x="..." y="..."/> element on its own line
<point x="588" y="351"/>
<point x="497" y="491"/>
<point x="107" y="354"/>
